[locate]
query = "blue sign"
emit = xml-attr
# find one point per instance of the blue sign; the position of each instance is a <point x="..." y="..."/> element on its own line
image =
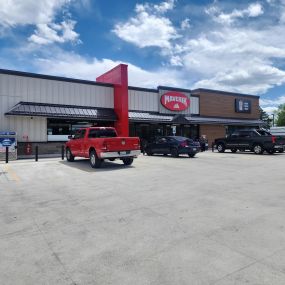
<point x="7" y="133"/>
<point x="242" y="106"/>
<point x="7" y="142"/>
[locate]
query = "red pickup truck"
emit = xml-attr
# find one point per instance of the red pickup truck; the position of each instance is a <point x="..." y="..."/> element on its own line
<point x="99" y="143"/>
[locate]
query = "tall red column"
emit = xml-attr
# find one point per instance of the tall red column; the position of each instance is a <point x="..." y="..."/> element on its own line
<point x="119" y="77"/>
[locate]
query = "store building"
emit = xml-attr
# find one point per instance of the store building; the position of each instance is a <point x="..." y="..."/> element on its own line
<point x="43" y="110"/>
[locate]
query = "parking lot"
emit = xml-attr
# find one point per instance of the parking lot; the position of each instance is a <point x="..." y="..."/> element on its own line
<point x="217" y="218"/>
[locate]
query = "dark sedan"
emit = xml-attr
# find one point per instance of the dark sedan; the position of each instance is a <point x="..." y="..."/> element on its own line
<point x="173" y="145"/>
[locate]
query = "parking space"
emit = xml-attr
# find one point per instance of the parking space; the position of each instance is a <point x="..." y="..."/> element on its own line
<point x="217" y="218"/>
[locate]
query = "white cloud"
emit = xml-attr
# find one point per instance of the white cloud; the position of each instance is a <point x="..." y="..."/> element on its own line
<point x="185" y="24"/>
<point x="270" y="110"/>
<point x="60" y="33"/>
<point x="40" y="14"/>
<point x="149" y="27"/>
<point x="271" y="105"/>
<point x="253" y="10"/>
<point x="76" y="66"/>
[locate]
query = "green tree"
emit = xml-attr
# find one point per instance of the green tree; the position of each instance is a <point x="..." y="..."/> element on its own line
<point x="280" y="122"/>
<point x="265" y="118"/>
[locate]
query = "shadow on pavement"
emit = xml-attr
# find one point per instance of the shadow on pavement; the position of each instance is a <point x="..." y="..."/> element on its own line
<point x="84" y="165"/>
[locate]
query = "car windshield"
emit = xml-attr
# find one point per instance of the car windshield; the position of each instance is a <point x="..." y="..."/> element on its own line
<point x="178" y="138"/>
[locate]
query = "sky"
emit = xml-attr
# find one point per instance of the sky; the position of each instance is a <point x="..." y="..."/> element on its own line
<point x="236" y="46"/>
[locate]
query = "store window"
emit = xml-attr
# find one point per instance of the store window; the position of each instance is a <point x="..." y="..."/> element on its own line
<point x="59" y="130"/>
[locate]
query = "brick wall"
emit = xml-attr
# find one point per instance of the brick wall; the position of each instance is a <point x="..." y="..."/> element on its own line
<point x="212" y="132"/>
<point x="213" y="104"/>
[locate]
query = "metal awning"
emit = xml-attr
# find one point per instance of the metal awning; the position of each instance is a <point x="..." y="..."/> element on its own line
<point x="224" y="121"/>
<point x="62" y="111"/>
<point x="152" y="117"/>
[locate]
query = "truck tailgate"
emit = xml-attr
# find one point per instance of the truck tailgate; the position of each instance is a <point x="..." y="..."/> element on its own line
<point x="122" y="143"/>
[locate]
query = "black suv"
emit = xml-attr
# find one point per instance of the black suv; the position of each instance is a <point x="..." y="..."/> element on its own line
<point x="254" y="140"/>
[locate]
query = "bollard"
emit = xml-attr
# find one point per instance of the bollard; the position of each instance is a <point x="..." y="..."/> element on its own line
<point x="7" y="154"/>
<point x="62" y="152"/>
<point x="37" y="153"/>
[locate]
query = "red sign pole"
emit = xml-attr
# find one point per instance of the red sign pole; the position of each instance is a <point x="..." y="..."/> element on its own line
<point x="119" y="77"/>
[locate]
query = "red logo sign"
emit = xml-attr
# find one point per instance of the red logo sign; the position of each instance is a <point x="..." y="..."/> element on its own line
<point x="175" y="101"/>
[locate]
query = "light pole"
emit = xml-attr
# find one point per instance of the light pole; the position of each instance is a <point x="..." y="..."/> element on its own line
<point x="273" y="123"/>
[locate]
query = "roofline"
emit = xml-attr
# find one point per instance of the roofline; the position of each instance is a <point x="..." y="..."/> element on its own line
<point x="143" y="89"/>
<point x="199" y="90"/>
<point x="53" y="77"/>
<point x="89" y="82"/>
<point x="168" y="88"/>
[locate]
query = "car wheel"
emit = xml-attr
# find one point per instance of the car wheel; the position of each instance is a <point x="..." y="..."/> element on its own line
<point x="95" y="162"/>
<point x="174" y="152"/>
<point x="242" y="149"/>
<point x="234" y="150"/>
<point x="128" y="160"/>
<point x="270" y="151"/>
<point x="258" y="149"/>
<point x="69" y="155"/>
<point x="281" y="150"/>
<point x="221" y="147"/>
<point x="191" y="154"/>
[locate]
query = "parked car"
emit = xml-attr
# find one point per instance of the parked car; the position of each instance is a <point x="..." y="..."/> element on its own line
<point x="100" y="143"/>
<point x="255" y="140"/>
<point x="174" y="145"/>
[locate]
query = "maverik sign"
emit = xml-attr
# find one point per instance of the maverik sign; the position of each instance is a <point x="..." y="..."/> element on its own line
<point x="175" y="101"/>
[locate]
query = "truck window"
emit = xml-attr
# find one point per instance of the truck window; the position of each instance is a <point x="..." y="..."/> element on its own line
<point x="79" y="134"/>
<point x="107" y="133"/>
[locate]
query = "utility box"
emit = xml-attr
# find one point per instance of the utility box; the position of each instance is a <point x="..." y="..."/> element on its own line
<point x="8" y="139"/>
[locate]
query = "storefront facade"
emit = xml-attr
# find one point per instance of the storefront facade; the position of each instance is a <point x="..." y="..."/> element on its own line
<point x="43" y="110"/>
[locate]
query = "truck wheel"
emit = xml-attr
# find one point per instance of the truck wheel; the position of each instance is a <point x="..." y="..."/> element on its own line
<point x="258" y="149"/>
<point x="128" y="160"/>
<point x="95" y="161"/>
<point x="221" y="147"/>
<point x="234" y="150"/>
<point x="69" y="155"/>
<point x="174" y="152"/>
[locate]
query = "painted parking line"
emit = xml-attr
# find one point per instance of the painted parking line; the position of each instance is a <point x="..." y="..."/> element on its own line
<point x="9" y="173"/>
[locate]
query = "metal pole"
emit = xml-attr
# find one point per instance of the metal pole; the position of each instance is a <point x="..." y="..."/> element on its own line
<point x="37" y="153"/>
<point x="7" y="154"/>
<point x="62" y="152"/>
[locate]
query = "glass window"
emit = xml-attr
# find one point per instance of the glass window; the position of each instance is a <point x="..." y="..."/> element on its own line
<point x="103" y="133"/>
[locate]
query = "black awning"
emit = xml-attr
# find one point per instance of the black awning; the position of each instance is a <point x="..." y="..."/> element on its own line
<point x="62" y="111"/>
<point x="180" y="119"/>
<point x="225" y="121"/>
<point x="149" y="117"/>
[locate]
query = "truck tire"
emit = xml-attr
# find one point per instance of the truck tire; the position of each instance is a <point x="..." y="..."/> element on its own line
<point x="174" y="152"/>
<point x="95" y="161"/>
<point x="258" y="149"/>
<point x="69" y="155"/>
<point x="233" y="150"/>
<point x="128" y="160"/>
<point x="221" y="147"/>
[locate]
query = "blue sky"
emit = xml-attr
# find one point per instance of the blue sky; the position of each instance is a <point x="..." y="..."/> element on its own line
<point x="236" y="46"/>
